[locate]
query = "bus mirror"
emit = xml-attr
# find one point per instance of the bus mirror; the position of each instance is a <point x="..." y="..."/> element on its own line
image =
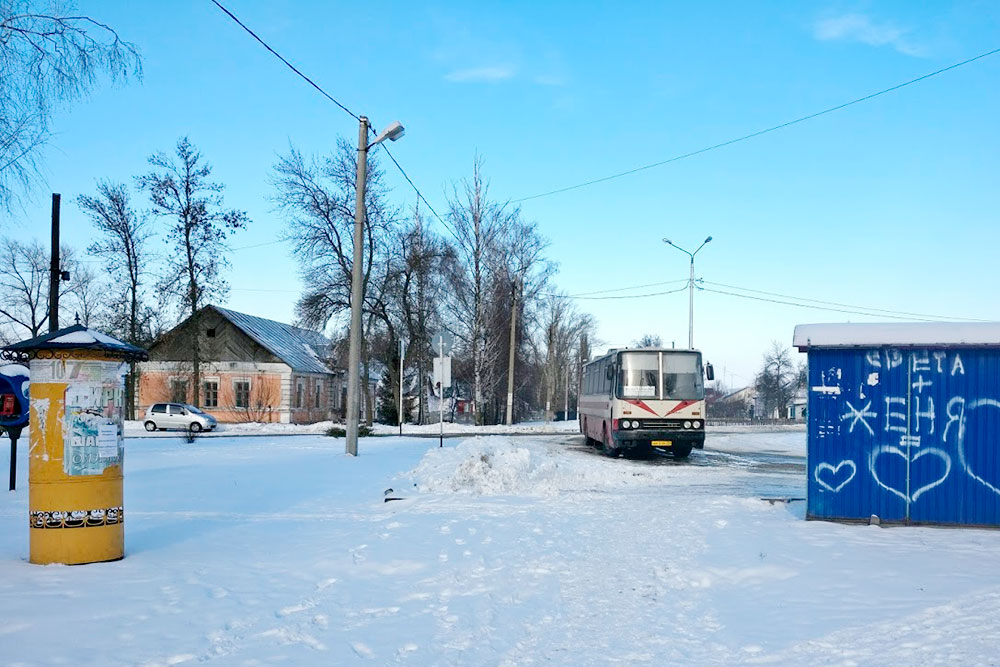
<point x="709" y="372"/>
<point x="609" y="371"/>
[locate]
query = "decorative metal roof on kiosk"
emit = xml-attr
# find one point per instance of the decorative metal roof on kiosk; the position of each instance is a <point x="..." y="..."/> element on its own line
<point x="73" y="338"/>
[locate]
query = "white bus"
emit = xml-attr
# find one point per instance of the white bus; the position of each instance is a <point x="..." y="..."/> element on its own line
<point x="645" y="400"/>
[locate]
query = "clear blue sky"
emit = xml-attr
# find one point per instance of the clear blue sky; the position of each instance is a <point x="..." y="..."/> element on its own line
<point x="889" y="204"/>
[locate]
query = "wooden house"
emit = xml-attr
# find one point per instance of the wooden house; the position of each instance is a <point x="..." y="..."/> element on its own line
<point x="252" y="370"/>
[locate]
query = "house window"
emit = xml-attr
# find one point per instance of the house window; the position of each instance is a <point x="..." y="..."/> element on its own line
<point x="178" y="390"/>
<point x="318" y="389"/>
<point x="298" y="394"/>
<point x="210" y="394"/>
<point x="210" y="333"/>
<point x="241" y="393"/>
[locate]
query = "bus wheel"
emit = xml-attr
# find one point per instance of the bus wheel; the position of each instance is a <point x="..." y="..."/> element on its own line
<point x="608" y="447"/>
<point x="681" y="452"/>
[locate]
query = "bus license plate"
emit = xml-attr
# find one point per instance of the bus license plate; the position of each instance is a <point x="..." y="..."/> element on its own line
<point x="663" y="443"/>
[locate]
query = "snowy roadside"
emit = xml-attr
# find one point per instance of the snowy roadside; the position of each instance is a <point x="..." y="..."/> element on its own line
<point x="135" y="429"/>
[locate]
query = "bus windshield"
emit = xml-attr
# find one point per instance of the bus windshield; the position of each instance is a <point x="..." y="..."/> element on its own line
<point x="639" y="375"/>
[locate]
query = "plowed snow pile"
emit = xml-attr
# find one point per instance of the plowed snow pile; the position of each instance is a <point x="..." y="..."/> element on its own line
<point x="499" y="465"/>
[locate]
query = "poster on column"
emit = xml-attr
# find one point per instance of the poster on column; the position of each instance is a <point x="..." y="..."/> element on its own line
<point x="92" y="431"/>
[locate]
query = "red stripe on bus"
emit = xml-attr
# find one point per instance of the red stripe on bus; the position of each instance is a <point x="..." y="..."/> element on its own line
<point x="681" y="406"/>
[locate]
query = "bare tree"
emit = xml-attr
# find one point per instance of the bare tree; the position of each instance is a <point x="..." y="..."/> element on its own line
<point x="480" y="224"/>
<point x="421" y="289"/>
<point x="775" y="383"/>
<point x="24" y="287"/>
<point x="85" y="295"/>
<point x="49" y="55"/>
<point x="180" y="191"/>
<point x="123" y="247"/>
<point x="566" y="331"/>
<point x="648" y="340"/>
<point x="316" y="197"/>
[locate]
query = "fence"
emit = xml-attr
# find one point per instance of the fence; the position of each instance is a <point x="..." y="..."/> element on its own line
<point x="748" y="421"/>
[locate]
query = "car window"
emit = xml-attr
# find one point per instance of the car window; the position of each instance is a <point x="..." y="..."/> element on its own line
<point x="193" y="409"/>
<point x="160" y="408"/>
<point x="176" y="410"/>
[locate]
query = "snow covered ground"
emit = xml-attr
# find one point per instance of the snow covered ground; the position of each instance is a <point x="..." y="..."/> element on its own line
<point x="503" y="550"/>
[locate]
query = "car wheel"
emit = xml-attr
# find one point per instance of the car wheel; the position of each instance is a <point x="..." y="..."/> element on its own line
<point x="150" y="426"/>
<point x="195" y="427"/>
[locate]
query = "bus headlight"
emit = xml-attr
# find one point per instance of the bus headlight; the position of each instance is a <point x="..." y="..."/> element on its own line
<point x="635" y="424"/>
<point x="687" y="424"/>
<point x="697" y="424"/>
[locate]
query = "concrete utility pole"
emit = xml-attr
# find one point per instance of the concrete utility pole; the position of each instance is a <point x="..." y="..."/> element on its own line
<point x="55" y="275"/>
<point x="392" y="133"/>
<point x="354" y="347"/>
<point x="510" y="360"/>
<point x="690" y="287"/>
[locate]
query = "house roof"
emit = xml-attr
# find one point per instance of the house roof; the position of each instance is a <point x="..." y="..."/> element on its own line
<point x="303" y="350"/>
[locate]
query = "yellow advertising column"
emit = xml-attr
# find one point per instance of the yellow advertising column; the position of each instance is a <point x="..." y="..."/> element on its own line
<point x="76" y="452"/>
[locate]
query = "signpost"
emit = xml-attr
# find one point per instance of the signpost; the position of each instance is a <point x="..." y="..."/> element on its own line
<point x="402" y="349"/>
<point x="442" y="375"/>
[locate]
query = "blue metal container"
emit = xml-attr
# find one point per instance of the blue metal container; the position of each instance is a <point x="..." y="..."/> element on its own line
<point x="904" y="422"/>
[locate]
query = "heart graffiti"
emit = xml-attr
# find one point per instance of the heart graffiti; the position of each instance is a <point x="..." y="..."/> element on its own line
<point x="896" y="451"/>
<point x="834" y="474"/>
<point x="962" y="459"/>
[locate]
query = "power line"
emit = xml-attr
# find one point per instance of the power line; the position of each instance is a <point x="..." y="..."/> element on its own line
<point x="282" y="59"/>
<point x="623" y="296"/>
<point x="330" y="97"/>
<point x="420" y="195"/>
<point x="259" y="245"/>
<point x="760" y="132"/>
<point x="845" y="305"/>
<point x="828" y="308"/>
<point x="625" y="289"/>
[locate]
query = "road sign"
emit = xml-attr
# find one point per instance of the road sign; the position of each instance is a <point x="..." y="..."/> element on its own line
<point x="441" y="342"/>
<point x="442" y="371"/>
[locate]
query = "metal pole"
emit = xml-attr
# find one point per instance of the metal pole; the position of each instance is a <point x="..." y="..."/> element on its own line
<point x="510" y="359"/>
<point x="354" y="350"/>
<point x="401" y="386"/>
<point x="441" y="401"/>
<point x="691" y="307"/>
<point x="566" y="404"/>
<point x="54" y="272"/>
<point x="14" y="434"/>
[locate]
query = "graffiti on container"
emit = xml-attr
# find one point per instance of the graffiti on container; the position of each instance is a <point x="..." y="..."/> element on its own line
<point x="911" y="429"/>
<point x="833" y="473"/>
<point x="910" y="495"/>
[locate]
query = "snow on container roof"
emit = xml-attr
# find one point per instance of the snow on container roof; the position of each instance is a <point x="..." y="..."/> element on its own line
<point x="897" y="334"/>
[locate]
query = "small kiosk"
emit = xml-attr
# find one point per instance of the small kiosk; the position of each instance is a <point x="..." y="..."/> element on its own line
<point x="76" y="452"/>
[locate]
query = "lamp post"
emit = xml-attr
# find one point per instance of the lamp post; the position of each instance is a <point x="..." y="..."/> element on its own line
<point x="392" y="133"/>
<point x="690" y="287"/>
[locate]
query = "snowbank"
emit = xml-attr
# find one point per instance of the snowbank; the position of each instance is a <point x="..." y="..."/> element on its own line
<point x="499" y="465"/>
<point x="540" y="427"/>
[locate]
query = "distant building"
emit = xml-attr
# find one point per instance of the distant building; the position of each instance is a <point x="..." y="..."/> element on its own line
<point x="252" y="369"/>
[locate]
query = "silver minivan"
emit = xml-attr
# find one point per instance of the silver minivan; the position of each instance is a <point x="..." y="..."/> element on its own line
<point x="179" y="416"/>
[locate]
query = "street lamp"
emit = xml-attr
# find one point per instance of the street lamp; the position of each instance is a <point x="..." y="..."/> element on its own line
<point x="690" y="287"/>
<point x="392" y="133"/>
